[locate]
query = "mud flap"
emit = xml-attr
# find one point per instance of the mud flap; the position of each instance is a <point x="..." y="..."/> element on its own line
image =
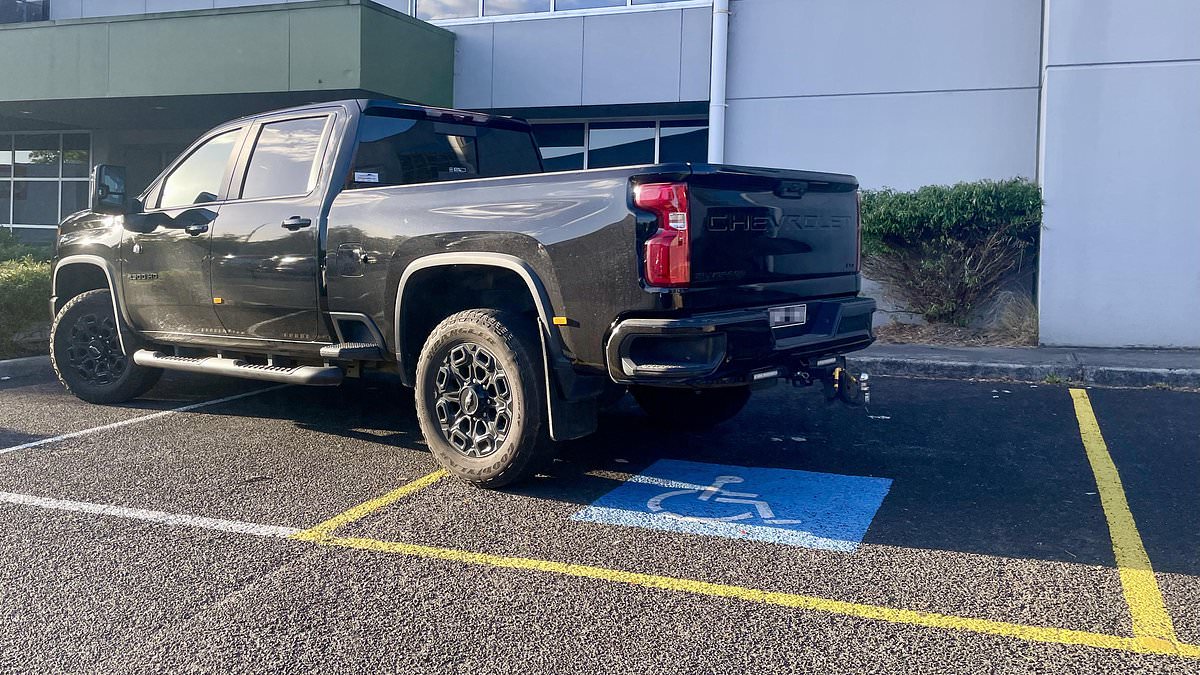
<point x="574" y="414"/>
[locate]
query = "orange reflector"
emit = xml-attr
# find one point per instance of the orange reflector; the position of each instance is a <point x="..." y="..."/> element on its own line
<point x="560" y="321"/>
<point x="217" y="301"/>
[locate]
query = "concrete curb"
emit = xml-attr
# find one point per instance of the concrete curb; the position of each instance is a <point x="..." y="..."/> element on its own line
<point x="31" y="365"/>
<point x="1071" y="371"/>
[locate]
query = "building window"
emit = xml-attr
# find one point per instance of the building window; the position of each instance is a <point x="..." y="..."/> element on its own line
<point x="568" y="146"/>
<point x="22" y="11"/>
<point x="442" y="10"/>
<point x="43" y="177"/>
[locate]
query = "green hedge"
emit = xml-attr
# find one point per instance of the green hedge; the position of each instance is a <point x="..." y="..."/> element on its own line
<point x="24" y="300"/>
<point x="944" y="249"/>
<point x="11" y="248"/>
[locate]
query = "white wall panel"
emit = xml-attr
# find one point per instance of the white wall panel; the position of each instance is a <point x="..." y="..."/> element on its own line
<point x="538" y="63"/>
<point x="631" y="58"/>
<point x="473" y="66"/>
<point x="896" y="140"/>
<point x="1109" y="31"/>
<point x="602" y="59"/>
<point x="807" y="47"/>
<point x="1120" y="260"/>
<point x="695" y="54"/>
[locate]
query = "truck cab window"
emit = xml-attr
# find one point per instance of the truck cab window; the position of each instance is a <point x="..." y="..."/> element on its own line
<point x="283" y="162"/>
<point x="198" y="178"/>
<point x="403" y="151"/>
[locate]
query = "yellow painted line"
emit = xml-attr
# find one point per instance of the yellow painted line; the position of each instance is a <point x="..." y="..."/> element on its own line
<point x="1146" y="607"/>
<point x="323" y="534"/>
<point x="839" y="607"/>
<point x="325" y="530"/>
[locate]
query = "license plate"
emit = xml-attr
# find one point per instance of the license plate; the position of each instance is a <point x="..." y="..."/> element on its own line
<point x="792" y="315"/>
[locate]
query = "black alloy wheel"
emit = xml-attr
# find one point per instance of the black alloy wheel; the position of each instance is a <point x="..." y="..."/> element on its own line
<point x="474" y="401"/>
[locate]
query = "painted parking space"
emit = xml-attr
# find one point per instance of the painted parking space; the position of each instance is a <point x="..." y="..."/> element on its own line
<point x="785" y="506"/>
<point x="883" y="505"/>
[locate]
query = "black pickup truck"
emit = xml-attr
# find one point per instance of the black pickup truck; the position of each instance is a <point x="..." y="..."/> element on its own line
<point x="311" y="244"/>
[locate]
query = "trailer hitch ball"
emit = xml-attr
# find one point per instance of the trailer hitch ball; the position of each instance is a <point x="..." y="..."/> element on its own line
<point x="849" y="389"/>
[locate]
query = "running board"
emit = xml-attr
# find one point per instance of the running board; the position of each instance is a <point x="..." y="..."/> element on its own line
<point x="321" y="376"/>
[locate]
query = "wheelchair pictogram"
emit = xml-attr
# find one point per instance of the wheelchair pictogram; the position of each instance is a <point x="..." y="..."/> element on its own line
<point x="716" y="493"/>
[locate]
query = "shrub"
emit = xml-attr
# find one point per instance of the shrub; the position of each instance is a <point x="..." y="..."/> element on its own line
<point x="24" y="298"/>
<point x="11" y="248"/>
<point x="943" y="249"/>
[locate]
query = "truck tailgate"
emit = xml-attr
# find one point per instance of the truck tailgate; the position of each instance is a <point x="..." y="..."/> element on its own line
<point x="754" y="225"/>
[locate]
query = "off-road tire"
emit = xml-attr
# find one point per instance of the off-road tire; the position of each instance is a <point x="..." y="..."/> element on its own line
<point x="85" y="351"/>
<point x="511" y="340"/>
<point x="691" y="408"/>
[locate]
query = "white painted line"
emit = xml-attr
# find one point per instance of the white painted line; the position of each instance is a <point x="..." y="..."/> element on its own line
<point x="143" y="418"/>
<point x="151" y="516"/>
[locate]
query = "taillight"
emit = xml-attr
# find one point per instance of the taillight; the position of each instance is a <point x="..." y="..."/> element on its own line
<point x="668" y="251"/>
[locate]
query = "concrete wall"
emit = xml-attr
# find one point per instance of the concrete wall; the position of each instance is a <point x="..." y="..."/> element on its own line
<point x="1120" y="260"/>
<point x="635" y="57"/>
<point x="901" y="94"/>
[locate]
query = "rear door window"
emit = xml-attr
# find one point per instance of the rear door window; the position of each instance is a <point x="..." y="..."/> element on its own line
<point x="283" y="162"/>
<point x="403" y="151"/>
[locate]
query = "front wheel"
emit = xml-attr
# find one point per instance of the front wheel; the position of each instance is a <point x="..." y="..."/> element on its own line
<point x="85" y="350"/>
<point x="691" y="408"/>
<point x="480" y="397"/>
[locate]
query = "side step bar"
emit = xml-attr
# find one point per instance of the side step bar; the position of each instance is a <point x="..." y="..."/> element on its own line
<point x="321" y="376"/>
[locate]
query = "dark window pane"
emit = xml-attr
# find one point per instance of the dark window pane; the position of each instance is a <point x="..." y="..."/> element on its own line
<point x="617" y="144"/>
<point x="282" y="161"/>
<point x="5" y="201"/>
<point x="587" y="4"/>
<point x="401" y="151"/>
<point x="35" y="202"/>
<point x="494" y="7"/>
<point x="74" y="196"/>
<point x="37" y="155"/>
<point x="20" y="11"/>
<point x="561" y="146"/>
<point x="447" y="9"/>
<point x="76" y="155"/>
<point x="683" y="142"/>
<point x="6" y="156"/>
<point x="198" y="179"/>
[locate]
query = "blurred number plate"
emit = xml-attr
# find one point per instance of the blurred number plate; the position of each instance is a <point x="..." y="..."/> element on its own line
<point x="792" y="315"/>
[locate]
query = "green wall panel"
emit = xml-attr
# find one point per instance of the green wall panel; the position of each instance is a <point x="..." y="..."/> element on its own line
<point x="324" y="48"/>
<point x="311" y="46"/>
<point x="199" y="55"/>
<point x="66" y="62"/>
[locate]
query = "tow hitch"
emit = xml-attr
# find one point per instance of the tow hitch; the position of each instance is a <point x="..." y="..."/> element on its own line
<point x="838" y="382"/>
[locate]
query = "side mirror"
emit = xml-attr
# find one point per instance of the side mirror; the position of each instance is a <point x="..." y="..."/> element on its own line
<point x="108" y="190"/>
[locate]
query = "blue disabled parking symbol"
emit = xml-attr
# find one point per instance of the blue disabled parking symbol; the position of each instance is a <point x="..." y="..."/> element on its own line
<point x="824" y="511"/>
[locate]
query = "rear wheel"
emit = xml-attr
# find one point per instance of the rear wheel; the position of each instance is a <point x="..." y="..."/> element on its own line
<point x="691" y="408"/>
<point x="480" y="397"/>
<point x="85" y="350"/>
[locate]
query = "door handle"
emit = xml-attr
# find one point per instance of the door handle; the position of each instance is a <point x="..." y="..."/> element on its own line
<point x="296" y="222"/>
<point x="196" y="229"/>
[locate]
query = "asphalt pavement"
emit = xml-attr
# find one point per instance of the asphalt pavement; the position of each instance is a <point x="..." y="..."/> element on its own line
<point x="226" y="526"/>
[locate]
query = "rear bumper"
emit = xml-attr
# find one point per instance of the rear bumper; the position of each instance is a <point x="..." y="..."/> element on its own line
<point x="730" y="348"/>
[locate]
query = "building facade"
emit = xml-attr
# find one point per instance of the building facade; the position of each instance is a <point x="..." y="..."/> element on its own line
<point x="1098" y="100"/>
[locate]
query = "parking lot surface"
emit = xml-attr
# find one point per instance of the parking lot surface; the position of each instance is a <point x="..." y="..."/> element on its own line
<point x="221" y="526"/>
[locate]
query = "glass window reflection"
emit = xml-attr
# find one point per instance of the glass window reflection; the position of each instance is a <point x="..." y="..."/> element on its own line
<point x="620" y="144"/>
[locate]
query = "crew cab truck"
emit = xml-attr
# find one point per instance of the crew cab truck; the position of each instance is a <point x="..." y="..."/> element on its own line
<point x="311" y="244"/>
